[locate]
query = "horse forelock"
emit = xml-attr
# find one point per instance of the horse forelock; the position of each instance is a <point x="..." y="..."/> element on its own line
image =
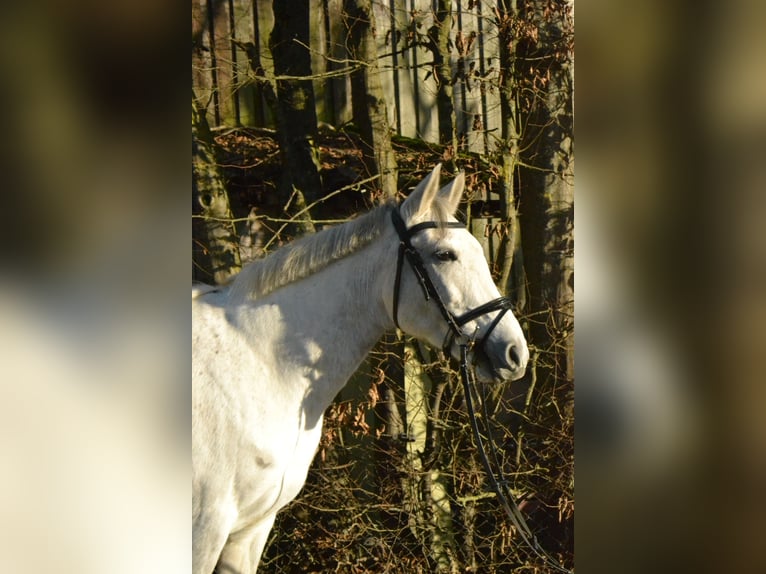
<point x="439" y="213"/>
<point x="308" y="255"/>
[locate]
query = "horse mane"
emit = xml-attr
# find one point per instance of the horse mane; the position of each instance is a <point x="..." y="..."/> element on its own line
<point x="308" y="255"/>
<point x="312" y="253"/>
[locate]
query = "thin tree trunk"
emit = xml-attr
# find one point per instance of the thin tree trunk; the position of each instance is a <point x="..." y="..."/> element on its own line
<point x="368" y="100"/>
<point x="430" y="488"/>
<point x="211" y="195"/>
<point x="296" y="110"/>
<point x="510" y="244"/>
<point x="439" y="36"/>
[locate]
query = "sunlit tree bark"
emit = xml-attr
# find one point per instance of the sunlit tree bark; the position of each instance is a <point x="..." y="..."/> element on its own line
<point x="213" y="199"/>
<point x="547" y="190"/>
<point x="368" y="101"/>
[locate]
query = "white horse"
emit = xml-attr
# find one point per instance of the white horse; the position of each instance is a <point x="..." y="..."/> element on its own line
<point x="272" y="349"/>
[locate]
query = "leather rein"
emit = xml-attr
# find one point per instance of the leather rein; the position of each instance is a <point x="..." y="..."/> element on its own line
<point x="455" y="323"/>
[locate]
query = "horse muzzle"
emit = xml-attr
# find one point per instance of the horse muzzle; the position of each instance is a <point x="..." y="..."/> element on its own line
<point x="499" y="361"/>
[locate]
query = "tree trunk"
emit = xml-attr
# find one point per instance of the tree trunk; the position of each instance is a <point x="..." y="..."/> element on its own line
<point x="547" y="195"/>
<point x="296" y="110"/>
<point x="439" y="36"/>
<point x="368" y="100"/>
<point x="510" y="244"/>
<point x="209" y="189"/>
<point x="430" y="489"/>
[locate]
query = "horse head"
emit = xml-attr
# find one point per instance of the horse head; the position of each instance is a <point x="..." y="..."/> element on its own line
<point x="443" y="291"/>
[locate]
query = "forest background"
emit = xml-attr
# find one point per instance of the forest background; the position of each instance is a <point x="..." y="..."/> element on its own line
<point x="307" y="113"/>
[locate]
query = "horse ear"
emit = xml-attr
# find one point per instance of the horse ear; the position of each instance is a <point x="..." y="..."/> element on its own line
<point x="420" y="200"/>
<point x="451" y="193"/>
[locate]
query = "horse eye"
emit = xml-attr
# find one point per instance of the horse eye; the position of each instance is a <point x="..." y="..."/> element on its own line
<point x="446" y="255"/>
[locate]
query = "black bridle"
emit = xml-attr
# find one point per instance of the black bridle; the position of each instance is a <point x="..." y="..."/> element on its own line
<point x="455" y="323"/>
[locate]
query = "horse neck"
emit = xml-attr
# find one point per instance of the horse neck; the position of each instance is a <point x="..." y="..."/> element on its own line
<point x="329" y="322"/>
<point x="347" y="298"/>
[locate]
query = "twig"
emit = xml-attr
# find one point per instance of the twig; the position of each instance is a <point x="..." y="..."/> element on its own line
<point x="317" y="202"/>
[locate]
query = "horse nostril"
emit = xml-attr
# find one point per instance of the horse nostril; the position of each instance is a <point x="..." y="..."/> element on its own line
<point x="513" y="356"/>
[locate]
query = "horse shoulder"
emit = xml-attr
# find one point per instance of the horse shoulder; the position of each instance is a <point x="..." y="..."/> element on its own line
<point x="243" y="435"/>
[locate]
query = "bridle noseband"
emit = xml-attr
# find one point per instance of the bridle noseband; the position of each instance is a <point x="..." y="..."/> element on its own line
<point x="408" y="252"/>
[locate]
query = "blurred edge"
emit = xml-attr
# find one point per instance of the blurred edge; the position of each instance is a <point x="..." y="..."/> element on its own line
<point x="94" y="403"/>
<point x="94" y="394"/>
<point x="671" y="293"/>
